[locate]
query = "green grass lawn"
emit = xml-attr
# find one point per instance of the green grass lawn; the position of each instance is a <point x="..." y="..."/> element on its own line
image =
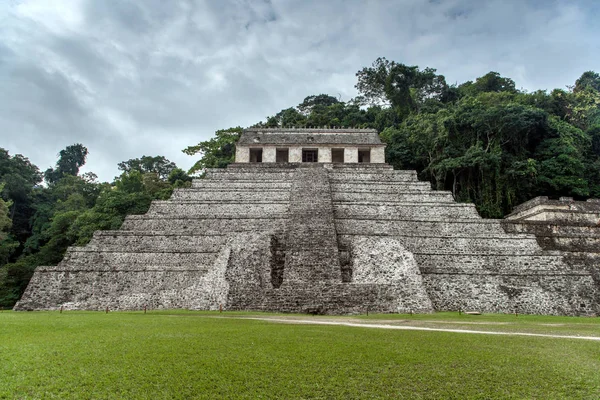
<point x="541" y="324"/>
<point x="183" y="355"/>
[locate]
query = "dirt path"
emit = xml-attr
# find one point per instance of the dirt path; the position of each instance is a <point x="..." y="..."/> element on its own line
<point x="309" y="321"/>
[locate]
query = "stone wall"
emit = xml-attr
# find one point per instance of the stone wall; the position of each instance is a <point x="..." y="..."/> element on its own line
<point x="564" y="210"/>
<point x="324" y="154"/>
<point x="324" y="238"/>
<point x="570" y="228"/>
<point x="295" y="155"/>
<point x="242" y="153"/>
<point x="350" y="155"/>
<point x="269" y="154"/>
<point x="378" y="155"/>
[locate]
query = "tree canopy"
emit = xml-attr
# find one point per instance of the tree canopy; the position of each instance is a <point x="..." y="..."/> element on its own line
<point x="158" y="165"/>
<point x="69" y="161"/>
<point x="217" y="152"/>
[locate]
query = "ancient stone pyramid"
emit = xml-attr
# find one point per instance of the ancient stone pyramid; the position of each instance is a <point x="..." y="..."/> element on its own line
<point x="319" y="238"/>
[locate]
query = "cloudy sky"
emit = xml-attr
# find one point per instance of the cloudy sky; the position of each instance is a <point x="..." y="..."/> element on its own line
<point x="150" y="77"/>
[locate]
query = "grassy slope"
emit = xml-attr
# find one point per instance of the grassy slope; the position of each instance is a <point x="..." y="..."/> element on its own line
<point x="187" y="355"/>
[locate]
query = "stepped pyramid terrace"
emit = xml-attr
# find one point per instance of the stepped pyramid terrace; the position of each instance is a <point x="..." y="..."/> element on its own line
<point x="315" y="221"/>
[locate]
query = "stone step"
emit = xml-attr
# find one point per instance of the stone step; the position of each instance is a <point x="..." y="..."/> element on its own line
<point x="345" y="298"/>
<point x="83" y="256"/>
<point x="436" y="263"/>
<point x="585" y="261"/>
<point x="406" y="211"/>
<point x="336" y="175"/>
<point x="183" y="233"/>
<point x="232" y="196"/>
<point x="406" y="196"/>
<point x="572" y="243"/>
<point x="386" y="187"/>
<point x="120" y="290"/>
<point x="271" y="169"/>
<point x="239" y="201"/>
<point x="362" y="166"/>
<point x="172" y="243"/>
<point x="547" y="228"/>
<point x="255" y="168"/>
<point x="247" y="180"/>
<point x="125" y="233"/>
<point x="193" y="209"/>
<point x="567" y="237"/>
<point x="393" y="176"/>
<point x="462" y="245"/>
<point x="460" y="227"/>
<point x="523" y="293"/>
<point x="130" y="268"/>
<point x="264" y="168"/>
<point x="288" y="166"/>
<point x="385" y="172"/>
<point x="260" y="176"/>
<point x="203" y="224"/>
<point x="239" y="185"/>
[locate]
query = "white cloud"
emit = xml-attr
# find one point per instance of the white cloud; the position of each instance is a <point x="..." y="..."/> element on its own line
<point x="58" y="16"/>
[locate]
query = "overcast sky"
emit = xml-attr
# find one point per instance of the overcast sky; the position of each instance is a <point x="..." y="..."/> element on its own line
<point x="151" y="77"/>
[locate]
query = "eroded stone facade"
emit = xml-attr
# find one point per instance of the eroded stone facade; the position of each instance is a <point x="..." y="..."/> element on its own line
<point x="324" y="238"/>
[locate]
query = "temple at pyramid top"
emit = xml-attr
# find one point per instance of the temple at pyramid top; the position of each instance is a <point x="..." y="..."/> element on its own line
<point x="303" y="145"/>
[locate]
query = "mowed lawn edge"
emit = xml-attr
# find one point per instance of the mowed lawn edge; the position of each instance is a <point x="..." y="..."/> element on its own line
<point x="588" y="327"/>
<point x="200" y="355"/>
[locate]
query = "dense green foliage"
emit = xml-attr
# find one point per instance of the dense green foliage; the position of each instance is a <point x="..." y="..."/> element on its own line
<point x="191" y="355"/>
<point x="216" y="152"/>
<point x="38" y="223"/>
<point x="484" y="140"/>
<point x="5" y="225"/>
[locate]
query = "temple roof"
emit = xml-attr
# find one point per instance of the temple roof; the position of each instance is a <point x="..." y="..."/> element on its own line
<point x="307" y="136"/>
